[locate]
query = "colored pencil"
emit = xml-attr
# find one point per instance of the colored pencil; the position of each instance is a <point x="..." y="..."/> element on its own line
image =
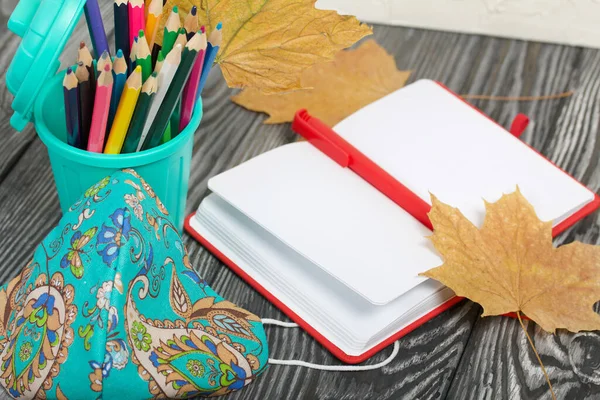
<point x="86" y="102"/>
<point x="137" y="18"/>
<point x="85" y="56"/>
<point x="103" y="61"/>
<point x="173" y="93"/>
<point x="167" y="134"/>
<point x="181" y="37"/>
<point x="133" y="54"/>
<point x="101" y="110"/>
<point x="157" y="67"/>
<point x="118" y="131"/>
<point x="159" y="63"/>
<point x="156" y="51"/>
<point x="172" y="130"/>
<point x="165" y="77"/>
<point x="154" y="14"/>
<point x="72" y="112"/>
<point x="96" y="27"/>
<point x="191" y="22"/>
<point x="214" y="42"/>
<point x="120" y="76"/>
<point x="140" y="114"/>
<point x="171" y="31"/>
<point x="143" y="57"/>
<point x="121" y="17"/>
<point x="188" y="99"/>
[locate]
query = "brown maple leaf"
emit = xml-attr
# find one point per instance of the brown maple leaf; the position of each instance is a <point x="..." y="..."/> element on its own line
<point x="337" y="89"/>
<point x="267" y="44"/>
<point x="510" y="265"/>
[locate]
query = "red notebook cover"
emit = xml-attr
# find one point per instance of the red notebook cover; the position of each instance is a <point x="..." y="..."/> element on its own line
<point x="337" y="352"/>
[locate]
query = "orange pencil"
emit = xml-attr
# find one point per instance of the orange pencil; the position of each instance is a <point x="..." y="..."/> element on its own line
<point x="154" y="13"/>
<point x="101" y="110"/>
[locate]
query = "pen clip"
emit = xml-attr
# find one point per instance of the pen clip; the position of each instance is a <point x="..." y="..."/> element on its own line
<point x="319" y="135"/>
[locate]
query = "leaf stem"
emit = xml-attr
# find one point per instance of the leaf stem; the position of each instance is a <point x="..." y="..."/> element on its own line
<point x="537" y="355"/>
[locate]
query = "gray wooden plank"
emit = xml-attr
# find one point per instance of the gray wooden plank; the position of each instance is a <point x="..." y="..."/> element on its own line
<point x="229" y="135"/>
<point x="498" y="362"/>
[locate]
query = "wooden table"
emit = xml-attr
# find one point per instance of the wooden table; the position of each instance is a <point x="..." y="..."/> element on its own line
<point x="457" y="355"/>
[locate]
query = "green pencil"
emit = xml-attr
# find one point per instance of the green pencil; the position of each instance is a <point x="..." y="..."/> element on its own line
<point x="140" y="114"/>
<point x="171" y="31"/>
<point x="173" y="93"/>
<point x="143" y="57"/>
<point x="173" y="128"/>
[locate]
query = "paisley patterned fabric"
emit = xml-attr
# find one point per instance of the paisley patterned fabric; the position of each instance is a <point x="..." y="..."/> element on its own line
<point x="110" y="307"/>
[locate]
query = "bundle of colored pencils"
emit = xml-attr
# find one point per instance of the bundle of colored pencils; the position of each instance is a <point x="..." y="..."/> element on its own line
<point x="146" y="94"/>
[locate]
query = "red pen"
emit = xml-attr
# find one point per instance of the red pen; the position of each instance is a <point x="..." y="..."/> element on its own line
<point x="347" y="156"/>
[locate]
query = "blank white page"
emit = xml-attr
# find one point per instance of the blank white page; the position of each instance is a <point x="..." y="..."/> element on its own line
<point x="433" y="142"/>
<point x="333" y="218"/>
<point x="336" y="312"/>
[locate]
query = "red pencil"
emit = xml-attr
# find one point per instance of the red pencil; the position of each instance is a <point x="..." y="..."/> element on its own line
<point x="101" y="110"/>
<point x="188" y="98"/>
<point x="137" y="20"/>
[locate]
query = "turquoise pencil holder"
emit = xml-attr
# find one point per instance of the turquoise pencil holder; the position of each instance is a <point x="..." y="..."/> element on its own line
<point x="166" y="167"/>
<point x="45" y="27"/>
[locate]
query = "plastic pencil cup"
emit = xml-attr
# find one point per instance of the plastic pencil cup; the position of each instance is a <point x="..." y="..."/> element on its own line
<point x="166" y="167"/>
<point x="44" y="27"/>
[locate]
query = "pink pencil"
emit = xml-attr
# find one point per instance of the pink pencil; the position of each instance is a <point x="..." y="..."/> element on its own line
<point x="188" y="98"/>
<point x="137" y="20"/>
<point x="101" y="110"/>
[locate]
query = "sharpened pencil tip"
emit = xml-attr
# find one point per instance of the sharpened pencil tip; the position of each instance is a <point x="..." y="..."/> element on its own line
<point x="203" y="29"/>
<point x="219" y="26"/>
<point x="120" y="53"/>
<point x="81" y="44"/>
<point x="107" y="67"/>
<point x="105" y="55"/>
<point x="175" y="9"/>
<point x="69" y="70"/>
<point x="194" y="10"/>
<point x="141" y="33"/>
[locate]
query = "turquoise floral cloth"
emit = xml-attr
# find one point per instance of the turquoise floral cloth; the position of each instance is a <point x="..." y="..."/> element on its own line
<point x="110" y="307"/>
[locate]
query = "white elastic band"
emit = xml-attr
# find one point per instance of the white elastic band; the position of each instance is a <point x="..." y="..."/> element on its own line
<point x="350" y="368"/>
<point x="276" y="322"/>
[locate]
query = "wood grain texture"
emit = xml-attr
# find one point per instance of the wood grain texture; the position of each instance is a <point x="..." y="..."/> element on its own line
<point x="456" y="355"/>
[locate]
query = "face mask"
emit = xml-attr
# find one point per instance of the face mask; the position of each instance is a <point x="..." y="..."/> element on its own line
<point x="110" y="307"/>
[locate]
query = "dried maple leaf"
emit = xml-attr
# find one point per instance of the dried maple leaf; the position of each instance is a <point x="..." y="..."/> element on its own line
<point x="510" y="265"/>
<point x="339" y="88"/>
<point x="267" y="44"/>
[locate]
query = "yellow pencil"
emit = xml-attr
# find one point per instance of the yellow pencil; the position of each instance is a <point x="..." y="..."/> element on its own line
<point x="124" y="112"/>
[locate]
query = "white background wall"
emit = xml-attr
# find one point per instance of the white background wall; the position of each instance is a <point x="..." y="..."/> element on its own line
<point x="575" y="22"/>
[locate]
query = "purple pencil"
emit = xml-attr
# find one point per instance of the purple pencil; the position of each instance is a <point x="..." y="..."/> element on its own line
<point x="96" y="27"/>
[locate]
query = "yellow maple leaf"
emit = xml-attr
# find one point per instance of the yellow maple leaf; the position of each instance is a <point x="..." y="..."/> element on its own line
<point x="267" y="44"/>
<point x="338" y="88"/>
<point x="510" y="265"/>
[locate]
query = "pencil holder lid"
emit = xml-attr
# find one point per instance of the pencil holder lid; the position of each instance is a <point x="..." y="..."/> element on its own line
<point x="45" y="26"/>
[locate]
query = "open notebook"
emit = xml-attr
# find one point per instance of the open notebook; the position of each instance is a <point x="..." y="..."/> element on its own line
<point x="338" y="256"/>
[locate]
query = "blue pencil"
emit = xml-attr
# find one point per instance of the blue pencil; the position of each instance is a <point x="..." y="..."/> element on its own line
<point x="72" y="111"/>
<point x="214" y="42"/>
<point x="120" y="77"/>
<point x="96" y="27"/>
